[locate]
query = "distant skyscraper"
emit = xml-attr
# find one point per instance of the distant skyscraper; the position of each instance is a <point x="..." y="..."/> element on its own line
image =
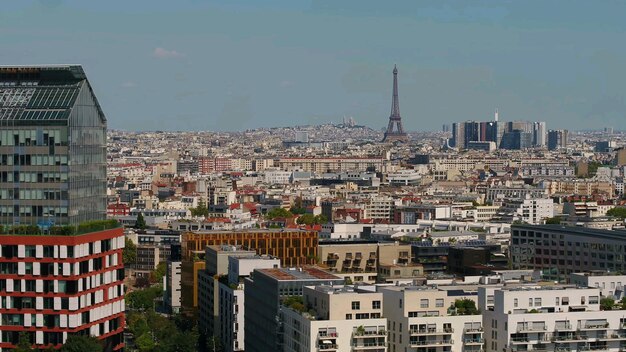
<point x="539" y="134"/>
<point x="458" y="135"/>
<point x="557" y="139"/>
<point x="395" y="132"/>
<point x="302" y="136"/>
<point x="516" y="140"/>
<point x="446" y="127"/>
<point x="496" y="115"/>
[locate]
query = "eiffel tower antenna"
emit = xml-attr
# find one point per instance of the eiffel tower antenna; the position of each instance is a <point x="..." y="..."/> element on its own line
<point x="395" y="132"/>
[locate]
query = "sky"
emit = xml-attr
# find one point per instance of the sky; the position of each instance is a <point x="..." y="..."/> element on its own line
<point x="234" y="65"/>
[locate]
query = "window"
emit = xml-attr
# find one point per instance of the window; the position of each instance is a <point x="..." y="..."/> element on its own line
<point x="375" y="304"/>
<point x="348" y="316"/>
<point x="439" y="302"/>
<point x="593" y="299"/>
<point x="516" y="302"/>
<point x="538" y="302"/>
<point x="423" y="303"/>
<point x="356" y="305"/>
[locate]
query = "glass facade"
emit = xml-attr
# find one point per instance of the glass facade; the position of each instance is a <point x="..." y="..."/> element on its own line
<point x="52" y="147"/>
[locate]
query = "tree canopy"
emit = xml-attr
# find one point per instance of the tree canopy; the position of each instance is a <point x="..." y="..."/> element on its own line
<point x="144" y="299"/>
<point x="278" y="213"/>
<point x="607" y="303"/>
<point x="618" y="212"/>
<point x="154" y="332"/>
<point x="310" y="219"/>
<point x="201" y="210"/>
<point x="140" y="223"/>
<point x="81" y="343"/>
<point x="553" y="221"/>
<point x="129" y="255"/>
<point x="465" y="307"/>
<point x="23" y="343"/>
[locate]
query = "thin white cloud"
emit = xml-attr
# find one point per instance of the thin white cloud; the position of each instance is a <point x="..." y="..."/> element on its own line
<point x="162" y="53"/>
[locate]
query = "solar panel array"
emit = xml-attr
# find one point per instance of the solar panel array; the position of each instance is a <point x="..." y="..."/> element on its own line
<point x="40" y="103"/>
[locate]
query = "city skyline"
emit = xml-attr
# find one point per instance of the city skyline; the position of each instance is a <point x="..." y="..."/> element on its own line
<point x="223" y="67"/>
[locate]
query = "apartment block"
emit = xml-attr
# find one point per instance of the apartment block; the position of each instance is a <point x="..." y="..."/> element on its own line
<point x="359" y="259"/>
<point x="335" y="318"/>
<point x="420" y="318"/>
<point x="552" y="318"/>
<point x="264" y="291"/>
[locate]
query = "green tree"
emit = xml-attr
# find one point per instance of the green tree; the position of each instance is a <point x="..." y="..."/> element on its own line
<point x="306" y="219"/>
<point x="145" y="342"/>
<point x="129" y="255"/>
<point x="23" y="343"/>
<point x="465" y="307"/>
<point x="278" y="213"/>
<point x="140" y="223"/>
<point x="618" y="212"/>
<point x="144" y="299"/>
<point x="201" y="210"/>
<point x="81" y="343"/>
<point x="157" y="275"/>
<point x="321" y="219"/>
<point x="607" y="303"/>
<point x="553" y="221"/>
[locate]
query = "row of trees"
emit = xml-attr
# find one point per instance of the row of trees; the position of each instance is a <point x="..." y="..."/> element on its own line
<point x="74" y="343"/>
<point x="154" y="332"/>
<point x="303" y="218"/>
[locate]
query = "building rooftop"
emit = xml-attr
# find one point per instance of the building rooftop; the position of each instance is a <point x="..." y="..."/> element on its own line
<point x="582" y="231"/>
<point x="40" y="93"/>
<point x="304" y="273"/>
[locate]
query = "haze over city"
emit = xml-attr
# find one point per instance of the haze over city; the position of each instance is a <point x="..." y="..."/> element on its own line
<point x="216" y="65"/>
<point x="312" y="176"/>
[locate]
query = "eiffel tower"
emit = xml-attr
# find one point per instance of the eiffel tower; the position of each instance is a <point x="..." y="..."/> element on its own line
<point x="394" y="118"/>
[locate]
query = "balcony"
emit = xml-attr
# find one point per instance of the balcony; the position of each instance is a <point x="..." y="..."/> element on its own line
<point x="612" y="336"/>
<point x="448" y="331"/>
<point x="370" y="333"/>
<point x="594" y="326"/>
<point x="473" y="330"/>
<point x="531" y="328"/>
<point x="327" y="335"/>
<point x="564" y="327"/>
<point x="471" y="342"/>
<point x="327" y="347"/>
<point x="368" y="345"/>
<point x="431" y="343"/>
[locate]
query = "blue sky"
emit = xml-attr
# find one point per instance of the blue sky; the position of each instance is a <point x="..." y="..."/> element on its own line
<point x="232" y="65"/>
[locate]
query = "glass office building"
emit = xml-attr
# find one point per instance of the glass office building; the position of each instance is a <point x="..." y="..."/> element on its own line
<point x="52" y="147"/>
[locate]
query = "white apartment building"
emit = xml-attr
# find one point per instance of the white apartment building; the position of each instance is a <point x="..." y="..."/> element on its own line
<point x="336" y="318"/>
<point x="404" y="178"/>
<point x="529" y="210"/>
<point x="380" y="208"/>
<point x="172" y="297"/>
<point x="277" y="177"/>
<point x="484" y="212"/>
<point x="610" y="285"/>
<point x="420" y="320"/>
<point x="551" y="318"/>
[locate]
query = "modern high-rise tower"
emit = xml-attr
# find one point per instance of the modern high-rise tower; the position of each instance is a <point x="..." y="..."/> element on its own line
<point x="395" y="132"/>
<point x="52" y="147"/>
<point x="62" y="270"/>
